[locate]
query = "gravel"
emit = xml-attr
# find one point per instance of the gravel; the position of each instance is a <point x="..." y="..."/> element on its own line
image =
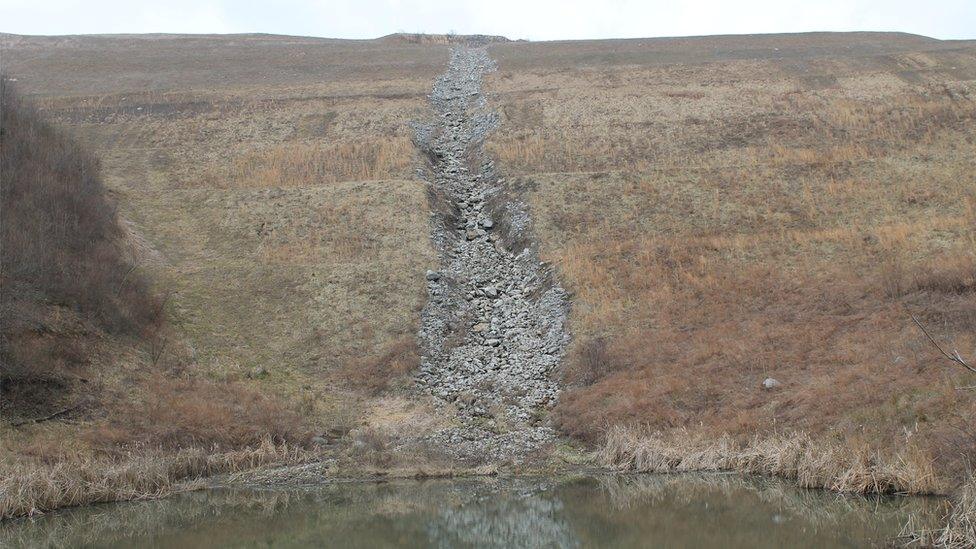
<point x="493" y="331"/>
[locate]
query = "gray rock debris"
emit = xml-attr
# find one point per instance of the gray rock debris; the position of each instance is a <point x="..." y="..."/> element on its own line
<point x="771" y="383"/>
<point x="493" y="331"/>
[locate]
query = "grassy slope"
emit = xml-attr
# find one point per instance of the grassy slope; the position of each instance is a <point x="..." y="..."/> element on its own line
<point x="266" y="185"/>
<point x="729" y="209"/>
<point x="724" y="209"/>
<point x="235" y="158"/>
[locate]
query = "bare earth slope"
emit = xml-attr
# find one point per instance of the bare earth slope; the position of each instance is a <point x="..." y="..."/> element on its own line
<point x="722" y="210"/>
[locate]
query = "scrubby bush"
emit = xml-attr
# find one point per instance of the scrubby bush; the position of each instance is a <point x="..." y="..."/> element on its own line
<point x="63" y="271"/>
<point x="188" y="413"/>
<point x="376" y="373"/>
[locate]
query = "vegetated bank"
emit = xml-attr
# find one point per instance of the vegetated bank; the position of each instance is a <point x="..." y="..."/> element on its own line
<point x="723" y="210"/>
<point x="88" y="410"/>
<point x="731" y="210"/>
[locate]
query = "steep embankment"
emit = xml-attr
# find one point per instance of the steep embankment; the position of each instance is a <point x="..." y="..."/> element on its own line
<point x="493" y="330"/>
<point x="67" y="283"/>
<point x="98" y="400"/>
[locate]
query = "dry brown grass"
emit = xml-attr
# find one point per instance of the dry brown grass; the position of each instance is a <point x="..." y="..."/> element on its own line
<point x="29" y="489"/>
<point x="842" y="467"/>
<point x="279" y="256"/>
<point x="768" y="213"/>
<point x="146" y="442"/>
<point x="304" y="164"/>
<point x="954" y="275"/>
<point x="376" y="374"/>
<point x="283" y="271"/>
<point x="190" y="412"/>
<point x="798" y="130"/>
<point x="961" y="528"/>
<point x="84" y="338"/>
<point x="959" y="531"/>
<point x="721" y="224"/>
<point x="692" y="328"/>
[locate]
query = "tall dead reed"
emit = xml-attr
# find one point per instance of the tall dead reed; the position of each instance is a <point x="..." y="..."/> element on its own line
<point x="302" y="164"/>
<point x="959" y="530"/>
<point x="29" y="489"/>
<point x="798" y="457"/>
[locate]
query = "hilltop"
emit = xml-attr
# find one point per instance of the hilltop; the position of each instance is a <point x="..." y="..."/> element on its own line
<point x="442" y="39"/>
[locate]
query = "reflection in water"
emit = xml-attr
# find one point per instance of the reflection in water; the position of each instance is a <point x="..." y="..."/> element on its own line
<point x="500" y="520"/>
<point x="598" y="511"/>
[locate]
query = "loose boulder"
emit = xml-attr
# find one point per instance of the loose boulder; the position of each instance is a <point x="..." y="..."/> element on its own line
<point x="770" y="383"/>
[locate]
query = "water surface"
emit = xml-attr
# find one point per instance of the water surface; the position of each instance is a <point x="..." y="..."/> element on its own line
<point x="594" y="511"/>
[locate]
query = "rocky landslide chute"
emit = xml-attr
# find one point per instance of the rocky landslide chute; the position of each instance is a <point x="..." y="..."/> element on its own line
<point x="493" y="331"/>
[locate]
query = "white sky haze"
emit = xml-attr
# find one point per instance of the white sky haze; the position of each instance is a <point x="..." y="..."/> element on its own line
<point x="534" y="20"/>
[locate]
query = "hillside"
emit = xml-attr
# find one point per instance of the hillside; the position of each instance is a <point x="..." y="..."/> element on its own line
<point x="722" y="210"/>
<point x="760" y="207"/>
<point x="96" y="402"/>
<point x="68" y="278"/>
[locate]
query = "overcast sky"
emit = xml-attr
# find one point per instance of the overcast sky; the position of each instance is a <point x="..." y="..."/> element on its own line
<point x="534" y="20"/>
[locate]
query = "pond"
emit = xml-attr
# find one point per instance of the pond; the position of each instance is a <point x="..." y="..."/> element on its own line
<point x="577" y="511"/>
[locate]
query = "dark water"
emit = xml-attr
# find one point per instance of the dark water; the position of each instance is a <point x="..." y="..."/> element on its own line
<point x="611" y="511"/>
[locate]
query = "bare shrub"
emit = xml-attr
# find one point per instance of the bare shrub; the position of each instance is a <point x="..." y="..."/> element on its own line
<point x="590" y="362"/>
<point x="377" y="373"/>
<point x="372" y="446"/>
<point x="60" y="251"/>
<point x="181" y="413"/>
<point x="894" y="277"/>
